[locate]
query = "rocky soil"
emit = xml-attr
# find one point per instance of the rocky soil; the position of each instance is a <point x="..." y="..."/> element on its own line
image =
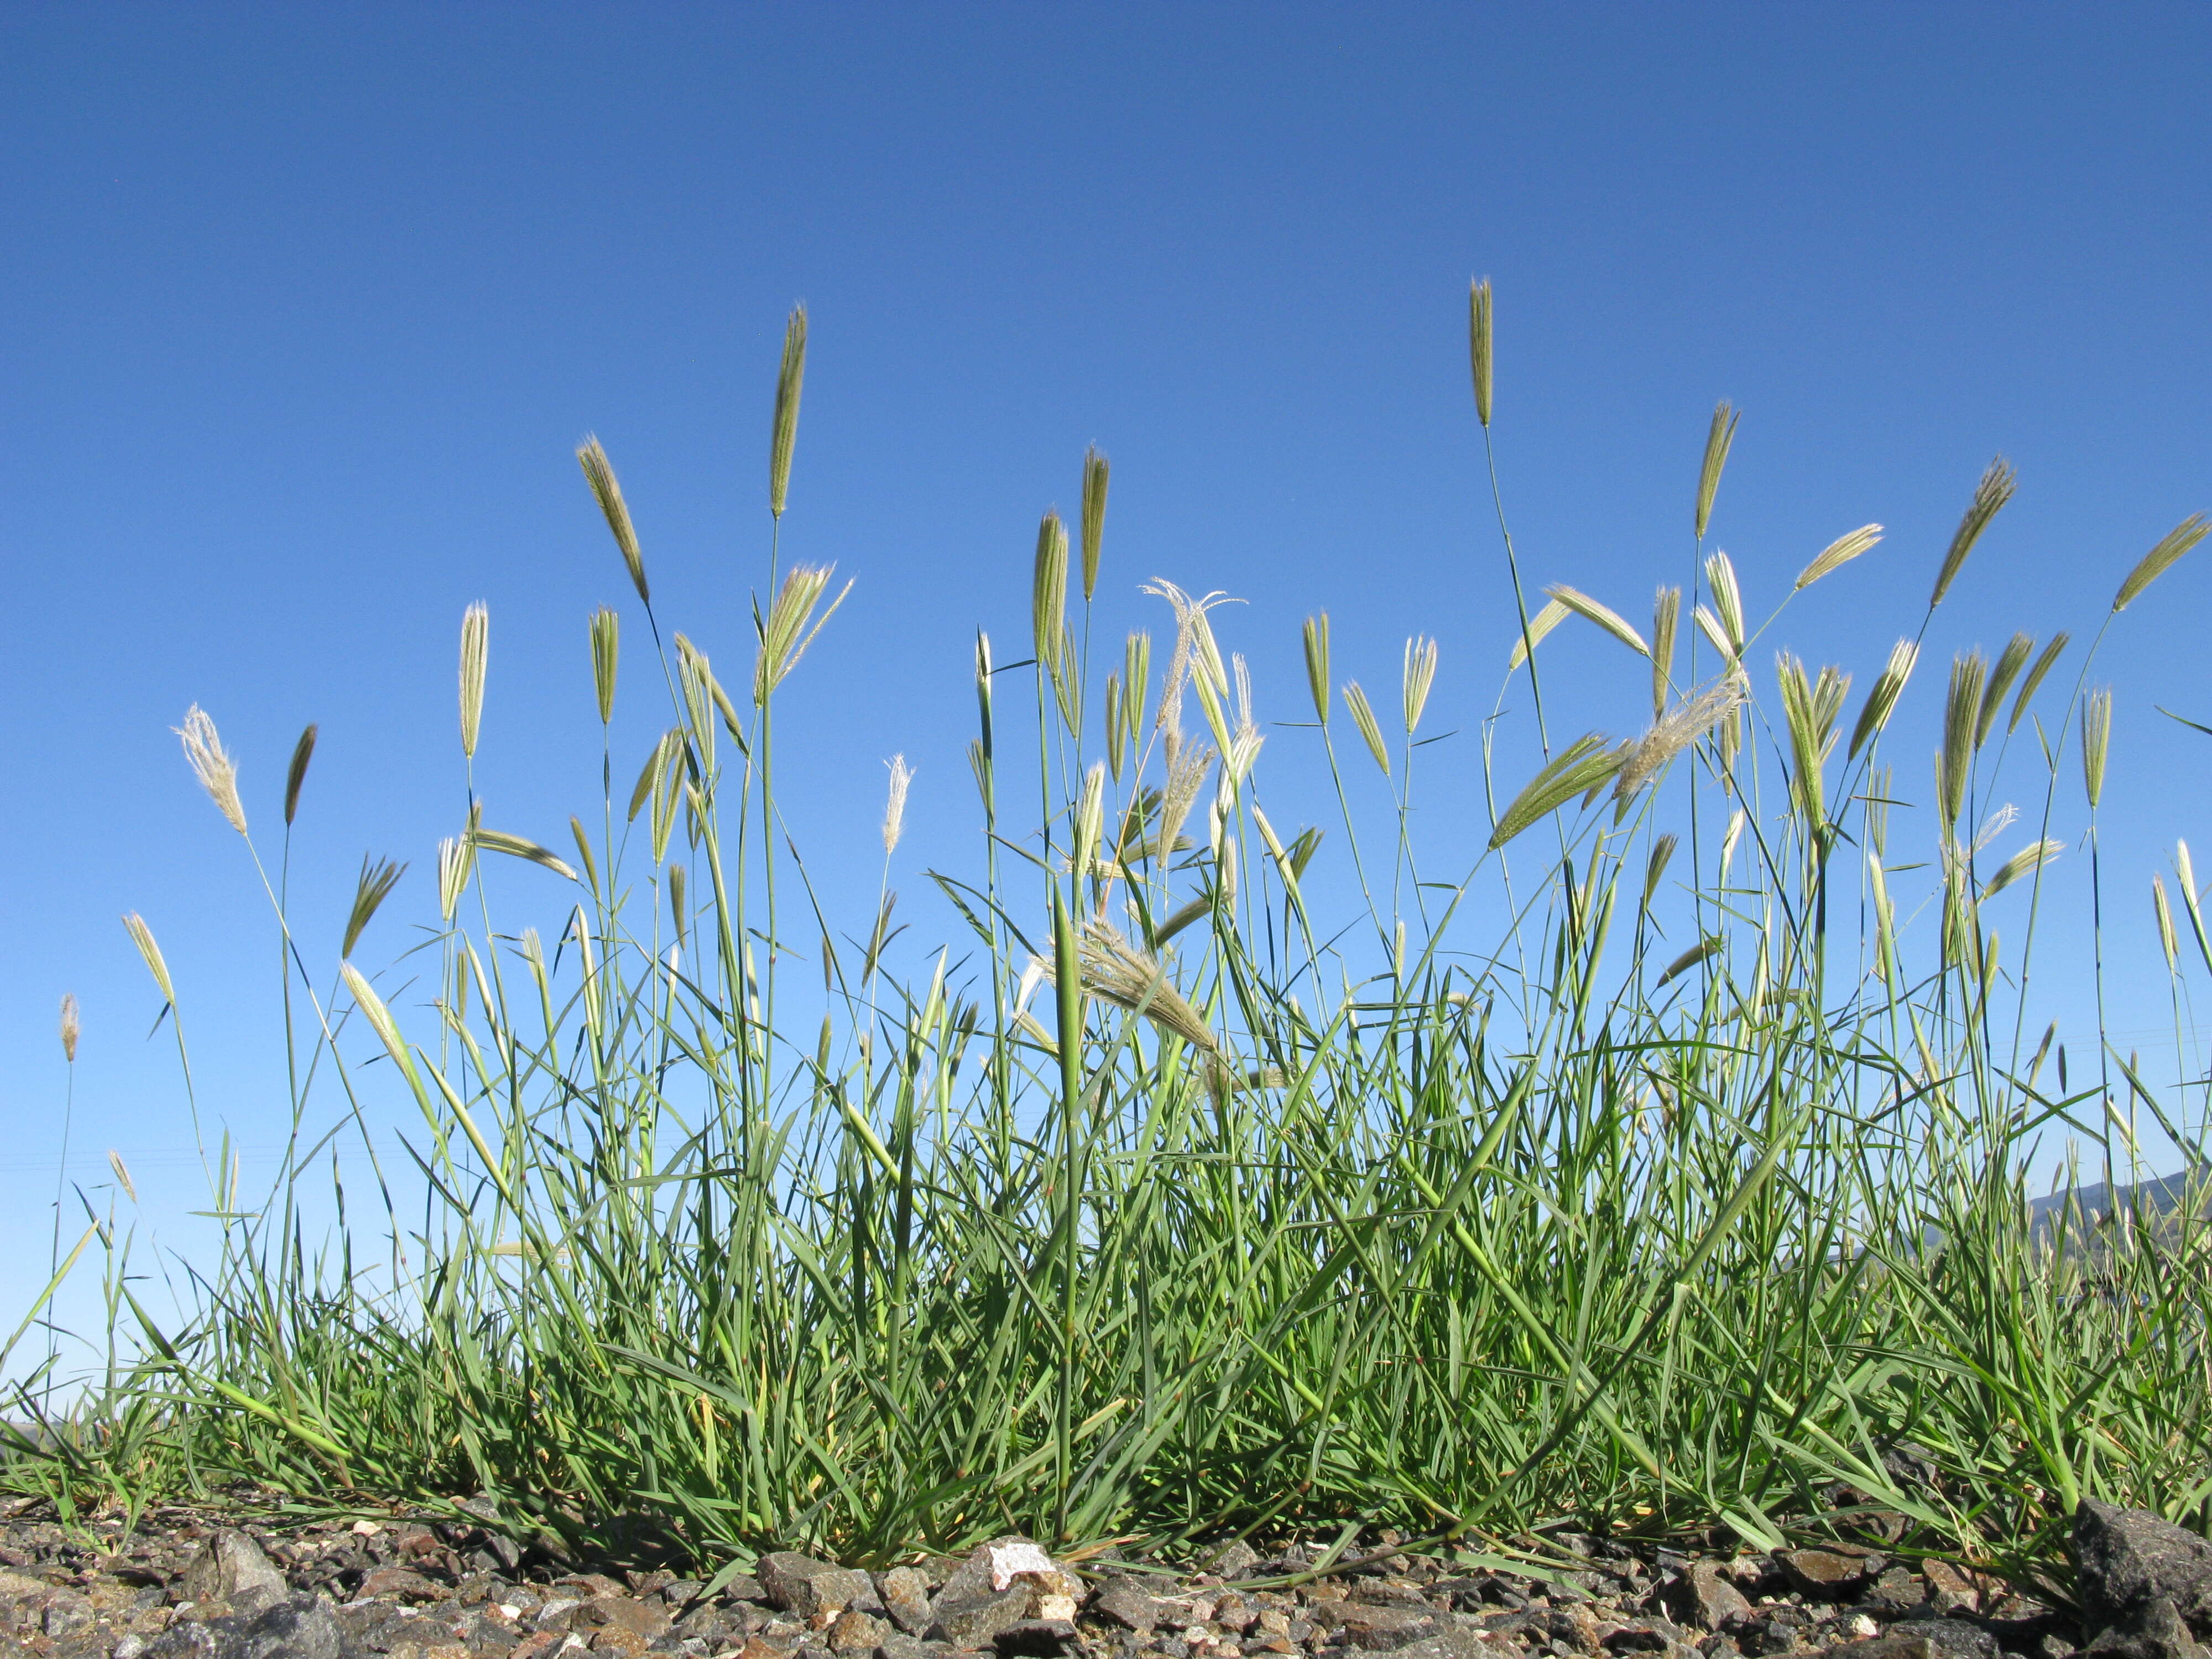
<point x="185" y="1585"/>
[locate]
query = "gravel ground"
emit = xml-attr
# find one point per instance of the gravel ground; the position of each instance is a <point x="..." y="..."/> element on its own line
<point x="184" y="1583"/>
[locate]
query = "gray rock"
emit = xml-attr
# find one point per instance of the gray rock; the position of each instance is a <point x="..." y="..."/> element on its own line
<point x="1122" y="1602"/>
<point x="1888" y="1646"/>
<point x="905" y="1595"/>
<point x="1707" y="1599"/>
<point x="2151" y="1629"/>
<point x="898" y="1646"/>
<point x="1953" y="1638"/>
<point x="969" y="1612"/>
<point x="67" y="1612"/>
<point x="1377" y="1629"/>
<point x="1829" y="1574"/>
<point x="973" y="1617"/>
<point x="2127" y="1559"/>
<point x="1035" y="1639"/>
<point x="802" y="1585"/>
<point x="230" y="1567"/>
<point x="300" y="1627"/>
<point x="1452" y="1642"/>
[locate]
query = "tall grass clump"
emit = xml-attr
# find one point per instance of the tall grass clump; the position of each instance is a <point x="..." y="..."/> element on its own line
<point x="1651" y="1157"/>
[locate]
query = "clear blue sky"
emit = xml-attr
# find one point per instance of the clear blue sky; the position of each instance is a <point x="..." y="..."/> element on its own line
<point x="302" y="311"/>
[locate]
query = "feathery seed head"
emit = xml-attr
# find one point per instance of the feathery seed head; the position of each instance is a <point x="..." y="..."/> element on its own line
<point x="1671" y="734"/>
<point x="122" y="1173"/>
<point x="476" y="644"/>
<point x="895" y="806"/>
<point x="216" y="771"/>
<point x="600" y="473"/>
<point x="1655" y="867"/>
<point x="68" y="1027"/>
<point x="1089" y="819"/>
<point x="457" y="857"/>
<point x="1111" y="968"/>
<point x="790" y="375"/>
<point x="296" y="774"/>
<point x="1998" y="483"/>
<point x="1193" y="640"/>
<point x="1188" y="766"/>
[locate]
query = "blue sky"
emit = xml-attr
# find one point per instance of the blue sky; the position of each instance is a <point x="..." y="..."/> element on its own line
<point x="306" y="308"/>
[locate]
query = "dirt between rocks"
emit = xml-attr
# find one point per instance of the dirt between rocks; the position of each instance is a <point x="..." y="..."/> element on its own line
<point x="185" y="1584"/>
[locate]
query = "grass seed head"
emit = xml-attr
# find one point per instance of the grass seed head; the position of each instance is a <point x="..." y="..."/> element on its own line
<point x="2003" y="674"/>
<point x="1881" y="699"/>
<point x="1604" y="616"/>
<point x="1727" y="603"/>
<point x="2164" y="913"/>
<point x="2044" y="664"/>
<point x="1542" y="624"/>
<point x="1962" y="708"/>
<point x="606" y="654"/>
<point x="1419" y="676"/>
<point x="1095" y="472"/>
<point x="1998" y="483"/>
<point x="68" y="1027"/>
<point x="2096" y="742"/>
<point x="377" y="880"/>
<point x="142" y="937"/>
<point x="1317" y="642"/>
<point x="1838" y="553"/>
<point x="786" y="633"/>
<point x="1048" y="592"/>
<point x="1362" y="716"/>
<point x="1718" y="438"/>
<point x="1666" y="622"/>
<point x="600" y="473"/>
<point x="216" y="771"/>
<point x="790" y="376"/>
<point x="476" y="646"/>
<point x="1674" y="733"/>
<point x="122" y="1174"/>
<point x="2160" y="559"/>
<point x="895" y="803"/>
<point x="296" y="774"/>
<point x="1479" y="344"/>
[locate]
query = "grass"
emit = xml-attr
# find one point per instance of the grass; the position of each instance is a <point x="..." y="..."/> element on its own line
<point x="1165" y="1206"/>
